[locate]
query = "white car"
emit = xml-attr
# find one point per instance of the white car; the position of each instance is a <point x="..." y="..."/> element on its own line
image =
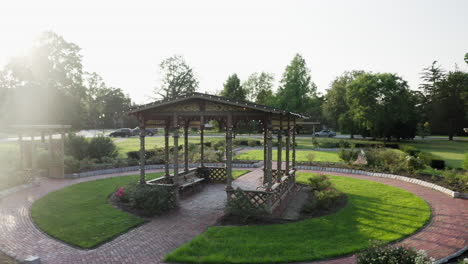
<point x="325" y="133"/>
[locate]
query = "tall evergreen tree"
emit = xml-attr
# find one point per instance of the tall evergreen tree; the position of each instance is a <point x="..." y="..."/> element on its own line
<point x="233" y="88"/>
<point x="297" y="91"/>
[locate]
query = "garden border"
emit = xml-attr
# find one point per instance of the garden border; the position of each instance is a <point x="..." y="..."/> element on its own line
<point x="154" y="167"/>
<point x="433" y="186"/>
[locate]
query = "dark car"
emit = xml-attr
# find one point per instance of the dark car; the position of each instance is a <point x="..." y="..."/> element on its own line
<point x="123" y="132"/>
<point x="149" y="131"/>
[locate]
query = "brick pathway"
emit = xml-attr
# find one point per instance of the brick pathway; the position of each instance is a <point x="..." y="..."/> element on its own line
<point x="447" y="233"/>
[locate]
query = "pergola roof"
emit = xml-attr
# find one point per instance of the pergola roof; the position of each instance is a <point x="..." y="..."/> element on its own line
<point x="215" y="99"/>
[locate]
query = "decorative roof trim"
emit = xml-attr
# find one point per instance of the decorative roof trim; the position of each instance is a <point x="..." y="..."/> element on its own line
<point x="214" y="98"/>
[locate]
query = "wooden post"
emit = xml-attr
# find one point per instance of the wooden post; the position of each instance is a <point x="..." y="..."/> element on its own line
<point x="166" y="150"/>
<point x="202" y="144"/>
<point x="294" y="146"/>
<point x="279" y="166"/>
<point x="62" y="152"/>
<point x="269" y="157"/>
<point x="229" y="132"/>
<point x="186" y="149"/>
<point x="175" y="125"/>
<point x="142" y="150"/>
<point x="21" y="160"/>
<point x="288" y="144"/>
<point x="32" y="152"/>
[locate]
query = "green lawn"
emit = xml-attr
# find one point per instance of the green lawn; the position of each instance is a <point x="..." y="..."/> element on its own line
<point x="453" y="152"/>
<point x="80" y="214"/>
<point x="301" y="155"/>
<point x="374" y="212"/>
<point x="237" y="173"/>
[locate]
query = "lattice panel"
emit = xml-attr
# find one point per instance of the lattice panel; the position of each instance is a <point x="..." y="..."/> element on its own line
<point x="248" y="200"/>
<point x="57" y="149"/>
<point x="212" y="174"/>
<point x="274" y="174"/>
<point x="29" y="175"/>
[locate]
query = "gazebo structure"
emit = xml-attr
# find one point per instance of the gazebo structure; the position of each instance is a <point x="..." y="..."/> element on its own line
<point x="193" y="111"/>
<point x="29" y="145"/>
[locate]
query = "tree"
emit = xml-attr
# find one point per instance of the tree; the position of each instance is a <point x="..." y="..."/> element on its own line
<point x="466" y="58"/>
<point x="178" y="78"/>
<point x="259" y="88"/>
<point x="424" y="130"/>
<point x="381" y="105"/>
<point x="46" y="83"/>
<point x="296" y="89"/>
<point x="450" y="108"/>
<point x="431" y="76"/>
<point x="233" y="89"/>
<point x="335" y="106"/>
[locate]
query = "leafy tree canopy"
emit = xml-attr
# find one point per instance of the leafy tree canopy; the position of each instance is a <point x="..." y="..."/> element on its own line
<point x="233" y="89"/>
<point x="178" y="78"/>
<point x="259" y="88"/>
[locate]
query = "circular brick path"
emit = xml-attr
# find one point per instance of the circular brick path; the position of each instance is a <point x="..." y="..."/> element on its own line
<point x="446" y="234"/>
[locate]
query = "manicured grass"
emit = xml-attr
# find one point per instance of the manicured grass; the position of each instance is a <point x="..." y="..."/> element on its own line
<point x="80" y="214"/>
<point x="301" y="155"/>
<point x="374" y="212"/>
<point x="453" y="152"/>
<point x="237" y="173"/>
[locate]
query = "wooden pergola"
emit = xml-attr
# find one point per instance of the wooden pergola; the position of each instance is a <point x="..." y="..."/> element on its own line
<point x="28" y="148"/>
<point x="193" y="111"/>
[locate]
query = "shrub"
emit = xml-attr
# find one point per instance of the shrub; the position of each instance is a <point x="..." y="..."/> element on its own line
<point x="72" y="165"/>
<point x="348" y="155"/>
<point x="414" y="163"/>
<point x="319" y="182"/>
<point x="151" y="199"/>
<point x="87" y="164"/>
<point x="101" y="147"/>
<point x="438" y="164"/>
<point x="327" y="198"/>
<point x="254" y="143"/>
<point x="386" y="159"/>
<point x="310" y="157"/>
<point x="426" y="157"/>
<point x="315" y="142"/>
<point x="410" y="150"/>
<point x="450" y="176"/>
<point x="218" y="144"/>
<point x="465" y="162"/>
<point x="135" y="154"/>
<point x="76" y="146"/>
<point x="378" y="253"/>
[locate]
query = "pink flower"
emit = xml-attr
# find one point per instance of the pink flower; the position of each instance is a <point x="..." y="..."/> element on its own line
<point x="120" y="191"/>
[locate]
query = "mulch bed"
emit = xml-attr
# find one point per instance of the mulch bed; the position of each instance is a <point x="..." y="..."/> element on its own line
<point x="5" y="259"/>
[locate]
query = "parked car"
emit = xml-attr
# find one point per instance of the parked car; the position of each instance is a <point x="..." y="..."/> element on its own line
<point x="149" y="131"/>
<point x="325" y="133"/>
<point x="123" y="132"/>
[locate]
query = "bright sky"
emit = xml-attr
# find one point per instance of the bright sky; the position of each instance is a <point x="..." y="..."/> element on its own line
<point x="124" y="41"/>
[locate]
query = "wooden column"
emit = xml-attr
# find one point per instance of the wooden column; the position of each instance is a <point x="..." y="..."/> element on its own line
<point x="229" y="131"/>
<point x="202" y="143"/>
<point x="166" y="150"/>
<point x="269" y="156"/>
<point x="264" y="145"/>
<point x="142" y="150"/>
<point x="32" y="149"/>
<point x="288" y="144"/>
<point x="62" y="151"/>
<point x="294" y="146"/>
<point x="279" y="158"/>
<point x="21" y="157"/>
<point x="175" y="125"/>
<point x="186" y="149"/>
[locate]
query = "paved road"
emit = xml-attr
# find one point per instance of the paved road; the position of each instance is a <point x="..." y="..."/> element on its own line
<point x="95" y="133"/>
